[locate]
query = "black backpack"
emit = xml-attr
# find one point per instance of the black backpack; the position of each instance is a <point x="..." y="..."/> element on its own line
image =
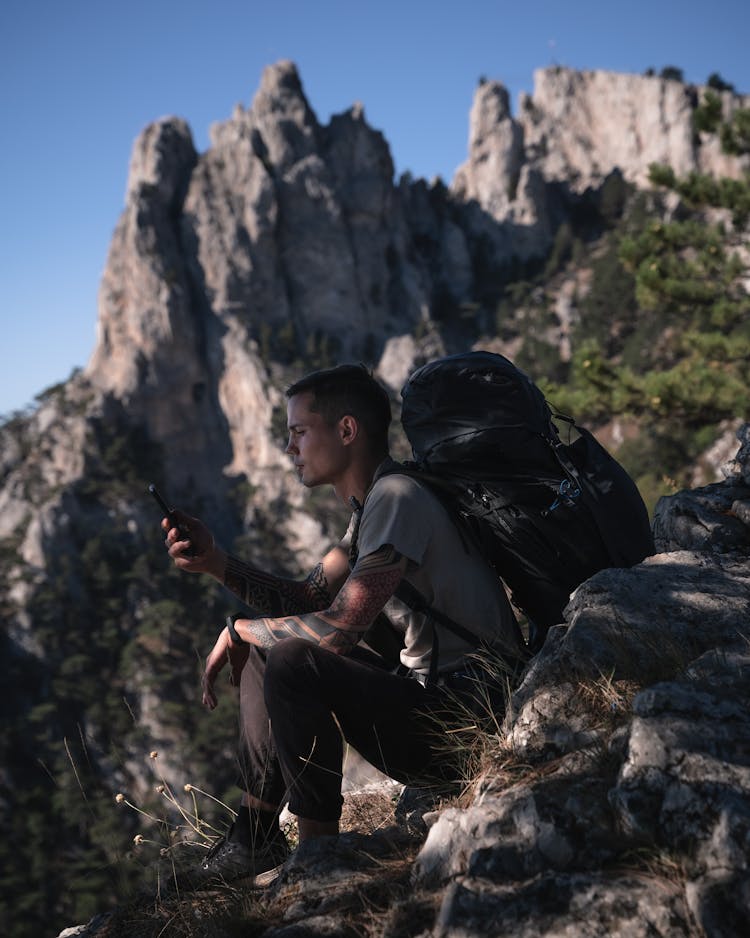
<point x="548" y="514"/>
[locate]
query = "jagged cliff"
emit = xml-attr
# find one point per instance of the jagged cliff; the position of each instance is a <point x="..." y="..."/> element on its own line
<point x="288" y="240"/>
<point x="285" y="246"/>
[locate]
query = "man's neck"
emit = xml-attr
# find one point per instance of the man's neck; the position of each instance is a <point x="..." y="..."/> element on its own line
<point x="358" y="479"/>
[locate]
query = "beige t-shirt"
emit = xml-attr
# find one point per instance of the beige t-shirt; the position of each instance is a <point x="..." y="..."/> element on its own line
<point x="445" y="568"/>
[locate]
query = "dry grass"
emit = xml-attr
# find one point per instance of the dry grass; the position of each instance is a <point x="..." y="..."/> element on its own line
<point x="608" y="702"/>
<point x="654" y="863"/>
<point x="369" y="811"/>
<point x="365" y="901"/>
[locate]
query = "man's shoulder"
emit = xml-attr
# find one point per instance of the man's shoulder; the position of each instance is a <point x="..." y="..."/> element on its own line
<point x="401" y="489"/>
<point x="398" y="481"/>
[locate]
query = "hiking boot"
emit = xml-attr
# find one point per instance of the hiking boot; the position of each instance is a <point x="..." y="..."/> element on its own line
<point x="229" y="861"/>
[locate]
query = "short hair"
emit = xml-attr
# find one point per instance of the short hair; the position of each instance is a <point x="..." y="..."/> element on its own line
<point x="349" y="389"/>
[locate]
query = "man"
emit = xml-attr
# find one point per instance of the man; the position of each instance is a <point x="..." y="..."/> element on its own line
<point x="305" y="681"/>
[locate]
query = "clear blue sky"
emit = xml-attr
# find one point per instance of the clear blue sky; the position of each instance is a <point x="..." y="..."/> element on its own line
<point x="79" y="79"/>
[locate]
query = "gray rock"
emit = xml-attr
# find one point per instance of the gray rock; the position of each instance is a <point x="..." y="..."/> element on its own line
<point x="635" y="624"/>
<point x="720" y="903"/>
<point x="326" y="879"/>
<point x="315" y="926"/>
<point x="708" y="518"/>
<point x="561" y="822"/>
<point x="715" y="517"/>
<point x="575" y="130"/>
<point x="742" y="459"/>
<point x="685" y="781"/>
<point x="97" y="926"/>
<point x="556" y="905"/>
<point x="553" y="722"/>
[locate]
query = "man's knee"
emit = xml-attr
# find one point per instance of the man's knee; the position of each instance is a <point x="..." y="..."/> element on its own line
<point x="287" y="663"/>
<point x="289" y="653"/>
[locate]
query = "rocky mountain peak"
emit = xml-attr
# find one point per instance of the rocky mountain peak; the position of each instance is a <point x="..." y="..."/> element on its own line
<point x="576" y="129"/>
<point x="163" y="158"/>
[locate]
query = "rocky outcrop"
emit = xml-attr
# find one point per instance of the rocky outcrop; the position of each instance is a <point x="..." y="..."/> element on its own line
<point x="713" y="518"/>
<point x="285" y="240"/>
<point x="570" y="135"/>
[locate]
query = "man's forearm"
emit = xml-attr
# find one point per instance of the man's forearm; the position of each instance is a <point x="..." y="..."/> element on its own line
<point x="313" y="627"/>
<point x="339" y="626"/>
<point x="269" y="595"/>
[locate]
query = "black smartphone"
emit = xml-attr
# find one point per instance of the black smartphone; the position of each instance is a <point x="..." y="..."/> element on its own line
<point x="169" y="515"/>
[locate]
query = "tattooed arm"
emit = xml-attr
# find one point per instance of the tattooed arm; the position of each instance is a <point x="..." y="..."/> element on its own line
<point x="269" y="595"/>
<point x="338" y="627"/>
<point x="264" y="593"/>
<point x="341" y="625"/>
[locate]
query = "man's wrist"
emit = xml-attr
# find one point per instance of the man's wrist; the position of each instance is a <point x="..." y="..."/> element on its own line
<point x="217" y="563"/>
<point x="233" y="633"/>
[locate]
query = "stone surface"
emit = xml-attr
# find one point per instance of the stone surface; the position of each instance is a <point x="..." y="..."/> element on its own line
<point x="686" y="777"/>
<point x="559" y="823"/>
<point x="712" y="518"/>
<point x="587" y="906"/>
<point x="627" y="625"/>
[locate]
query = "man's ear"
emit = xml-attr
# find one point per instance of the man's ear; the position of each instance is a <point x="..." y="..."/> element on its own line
<point x="348" y="429"/>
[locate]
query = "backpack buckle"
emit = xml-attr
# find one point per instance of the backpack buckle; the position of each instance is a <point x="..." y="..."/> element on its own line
<point x="567" y="493"/>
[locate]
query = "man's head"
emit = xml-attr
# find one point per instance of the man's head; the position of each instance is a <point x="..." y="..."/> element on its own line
<point x="349" y="390"/>
<point x="338" y="423"/>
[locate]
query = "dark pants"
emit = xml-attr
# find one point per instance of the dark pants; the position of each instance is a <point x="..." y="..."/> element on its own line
<point x="297" y="701"/>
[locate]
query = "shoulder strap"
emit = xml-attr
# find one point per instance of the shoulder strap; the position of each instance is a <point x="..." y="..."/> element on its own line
<point x="416" y="601"/>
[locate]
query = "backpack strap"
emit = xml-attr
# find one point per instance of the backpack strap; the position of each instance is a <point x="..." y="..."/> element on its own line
<point x="411" y="596"/>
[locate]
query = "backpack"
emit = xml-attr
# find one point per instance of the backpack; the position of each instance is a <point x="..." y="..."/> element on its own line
<point x="547" y="514"/>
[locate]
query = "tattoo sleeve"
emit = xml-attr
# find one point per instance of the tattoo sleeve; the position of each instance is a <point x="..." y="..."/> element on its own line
<point x="269" y="595"/>
<point x="339" y="627"/>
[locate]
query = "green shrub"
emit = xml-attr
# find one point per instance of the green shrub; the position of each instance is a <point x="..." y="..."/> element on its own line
<point x="735" y="135"/>
<point x="707" y="117"/>
<point x="672" y="73"/>
<point x="716" y="82"/>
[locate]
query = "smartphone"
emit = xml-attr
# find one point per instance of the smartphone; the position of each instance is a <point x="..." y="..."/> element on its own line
<point x="169" y="515"/>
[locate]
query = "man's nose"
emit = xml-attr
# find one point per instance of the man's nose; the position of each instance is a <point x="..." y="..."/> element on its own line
<point x="290" y="447"/>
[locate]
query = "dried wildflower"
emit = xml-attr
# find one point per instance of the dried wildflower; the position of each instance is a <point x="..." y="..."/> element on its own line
<point x="138" y="839"/>
<point x="188" y="788"/>
<point x="119" y="798"/>
<point x="160" y="789"/>
<point x="153" y="754"/>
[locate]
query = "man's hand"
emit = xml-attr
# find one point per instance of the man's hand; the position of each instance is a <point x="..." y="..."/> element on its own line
<point x="206" y="556"/>
<point x="223" y="651"/>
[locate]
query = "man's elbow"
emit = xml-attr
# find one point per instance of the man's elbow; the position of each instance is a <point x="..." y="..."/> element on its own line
<point x="343" y="641"/>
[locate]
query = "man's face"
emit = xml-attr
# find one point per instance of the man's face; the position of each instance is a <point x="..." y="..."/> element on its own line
<point x="317" y="449"/>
